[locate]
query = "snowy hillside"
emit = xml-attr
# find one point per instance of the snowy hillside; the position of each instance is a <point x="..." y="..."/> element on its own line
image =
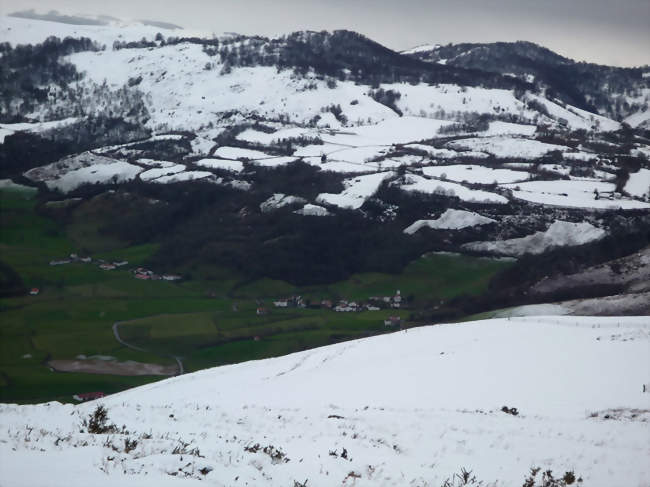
<point x="332" y="123"/>
<point x="16" y="30"/>
<point x="409" y="408"/>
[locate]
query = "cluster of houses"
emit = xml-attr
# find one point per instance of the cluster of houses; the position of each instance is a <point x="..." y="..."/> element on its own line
<point x="343" y="306"/>
<point x="72" y="258"/>
<point x="292" y="302"/>
<point x="109" y="266"/>
<point x="139" y="273"/>
<point x="375" y="304"/>
<point x="147" y="275"/>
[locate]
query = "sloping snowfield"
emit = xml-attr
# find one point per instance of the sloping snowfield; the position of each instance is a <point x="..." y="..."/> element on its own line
<point x="450" y="220"/>
<point x="435" y="186"/>
<point x="476" y="174"/>
<point x="576" y="194"/>
<point x="558" y="234"/>
<point x="409" y="408"/>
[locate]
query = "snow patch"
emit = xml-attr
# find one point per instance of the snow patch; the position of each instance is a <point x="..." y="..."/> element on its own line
<point x="559" y="234"/>
<point x="357" y="191"/>
<point x="445" y="188"/>
<point x="450" y="220"/>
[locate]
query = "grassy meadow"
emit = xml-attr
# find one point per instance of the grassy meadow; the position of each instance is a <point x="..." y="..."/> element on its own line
<point x="206" y="323"/>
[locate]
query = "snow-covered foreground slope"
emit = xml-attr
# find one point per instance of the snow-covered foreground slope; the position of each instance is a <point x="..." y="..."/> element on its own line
<point x="408" y="408"/>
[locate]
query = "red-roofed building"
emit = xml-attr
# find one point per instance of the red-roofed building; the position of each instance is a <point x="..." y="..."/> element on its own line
<point x="88" y="396"/>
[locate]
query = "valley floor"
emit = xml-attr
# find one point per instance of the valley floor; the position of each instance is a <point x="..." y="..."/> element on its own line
<point x="409" y="408"/>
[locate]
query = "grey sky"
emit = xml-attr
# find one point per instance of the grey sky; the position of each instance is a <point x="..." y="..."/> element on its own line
<point x="604" y="31"/>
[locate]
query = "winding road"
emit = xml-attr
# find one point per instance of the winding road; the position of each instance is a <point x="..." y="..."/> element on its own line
<point x="116" y="333"/>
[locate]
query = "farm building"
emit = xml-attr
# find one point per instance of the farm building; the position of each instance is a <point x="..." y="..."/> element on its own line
<point x="393" y="321"/>
<point x="88" y="396"/>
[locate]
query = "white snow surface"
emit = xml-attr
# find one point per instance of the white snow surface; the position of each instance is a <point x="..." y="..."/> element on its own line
<point x="576" y="118"/>
<point x="225" y="164"/>
<point x="504" y="146"/>
<point x="638" y="119"/>
<point x="239" y="153"/>
<point x="572" y="194"/>
<point x="450" y="220"/>
<point x="475" y="174"/>
<point x="30" y="31"/>
<point x="445" y="188"/>
<point x="555" y="169"/>
<point x="186" y="176"/>
<point x="410" y="408"/>
<point x="278" y="200"/>
<point x="73" y="171"/>
<point x="434" y="152"/>
<point x="558" y="234"/>
<point x="639" y="183"/>
<point x="357" y="190"/>
<point x="312" y="210"/>
<point x="151" y="174"/>
<point x="7" y="129"/>
<point x="507" y="128"/>
<point x="252" y="135"/>
<point x="254" y="156"/>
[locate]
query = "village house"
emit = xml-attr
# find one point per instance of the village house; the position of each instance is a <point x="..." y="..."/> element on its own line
<point x="60" y="262"/>
<point x="171" y="277"/>
<point x="261" y="311"/>
<point x="397" y="300"/>
<point x="393" y="321"/>
<point x="34" y="291"/>
<point x="281" y="304"/>
<point x="88" y="396"/>
<point x="86" y="260"/>
<point x="326" y="303"/>
<point x="120" y="263"/>
<point x="107" y="267"/>
<point x="345" y="307"/>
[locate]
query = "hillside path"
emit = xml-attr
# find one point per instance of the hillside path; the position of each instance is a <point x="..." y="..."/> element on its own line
<point x="116" y="333"/>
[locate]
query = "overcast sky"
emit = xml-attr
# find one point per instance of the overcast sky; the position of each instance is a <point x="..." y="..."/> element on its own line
<point x="604" y="31"/>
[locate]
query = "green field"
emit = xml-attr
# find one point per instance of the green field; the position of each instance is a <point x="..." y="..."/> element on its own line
<point x="206" y="323"/>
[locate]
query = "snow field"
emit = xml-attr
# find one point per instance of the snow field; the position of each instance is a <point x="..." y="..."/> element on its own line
<point x="7" y="129"/>
<point x="73" y="171"/>
<point x="505" y="147"/>
<point x="573" y="194"/>
<point x="434" y="186"/>
<point x="278" y="200"/>
<point x="390" y="401"/>
<point x="225" y="164"/>
<point x="357" y="191"/>
<point x="639" y="183"/>
<point x="450" y="220"/>
<point x="476" y="174"/>
<point x="558" y="234"/>
<point x="151" y="174"/>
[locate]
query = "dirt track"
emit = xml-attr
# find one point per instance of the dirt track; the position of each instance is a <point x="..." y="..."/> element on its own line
<point x="116" y="333"/>
<point x="112" y="367"/>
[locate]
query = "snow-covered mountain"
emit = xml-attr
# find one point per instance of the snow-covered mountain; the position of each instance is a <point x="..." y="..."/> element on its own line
<point x="410" y="408"/>
<point x="622" y="93"/>
<point x="117" y="106"/>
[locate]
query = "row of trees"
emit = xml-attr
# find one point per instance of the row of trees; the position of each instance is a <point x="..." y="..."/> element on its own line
<point x="31" y="74"/>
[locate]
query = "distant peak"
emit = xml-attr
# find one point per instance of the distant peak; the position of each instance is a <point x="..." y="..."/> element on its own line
<point x="421" y="48"/>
